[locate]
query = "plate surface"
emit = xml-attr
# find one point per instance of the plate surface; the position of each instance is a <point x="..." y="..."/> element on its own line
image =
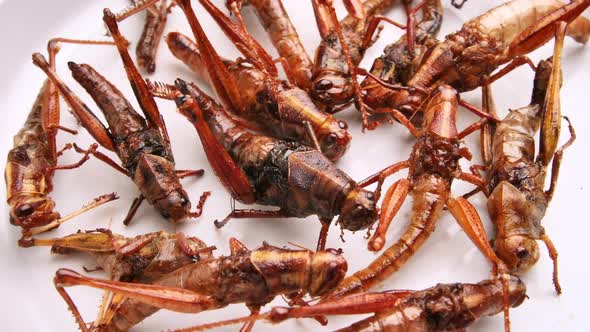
<point x="30" y="301"/>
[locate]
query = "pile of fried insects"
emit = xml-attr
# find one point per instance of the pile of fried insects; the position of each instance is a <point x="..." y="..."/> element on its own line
<point x="274" y="141"/>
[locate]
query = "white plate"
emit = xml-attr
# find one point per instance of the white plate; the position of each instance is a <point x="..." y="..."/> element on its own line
<point x="30" y="302"/>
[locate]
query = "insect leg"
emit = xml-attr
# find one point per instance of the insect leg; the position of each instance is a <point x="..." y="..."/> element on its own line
<point x="538" y="34"/>
<point x="551" y="122"/>
<point x="469" y="220"/>
<point x="553" y="254"/>
<point x="381" y="175"/>
<point x="84" y="114"/>
<point x="183" y="173"/>
<point x="557" y="161"/>
<point x="140" y="89"/>
<point x="250" y="213"/>
<point x="175" y="299"/>
<point x="393" y="200"/>
<point x="102" y="157"/>
<point x="133" y="209"/>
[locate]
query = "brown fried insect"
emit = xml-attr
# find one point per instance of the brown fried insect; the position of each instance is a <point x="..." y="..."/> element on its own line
<point x="518" y="199"/>
<point x="142" y="144"/>
<point x="284" y="37"/>
<point x="32" y="161"/>
<point x="433" y="165"/>
<point x="444" y="307"/>
<point x="147" y="45"/>
<point x="143" y="258"/>
<point x="264" y="170"/>
<point x="253" y="277"/>
<point x="502" y="35"/>
<point x="251" y="89"/>
<point x="332" y="81"/>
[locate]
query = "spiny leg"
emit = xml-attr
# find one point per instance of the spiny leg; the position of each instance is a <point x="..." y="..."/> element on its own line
<point x="392" y="202"/>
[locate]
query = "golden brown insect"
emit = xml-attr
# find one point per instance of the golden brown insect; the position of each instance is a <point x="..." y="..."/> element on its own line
<point x="332" y="80"/>
<point x="283" y="35"/>
<point x="502" y="35"/>
<point x="32" y="161"/>
<point x="253" y="277"/>
<point x="433" y="165"/>
<point x="264" y="170"/>
<point x="257" y="94"/>
<point x="444" y="307"/>
<point x="518" y="200"/>
<point x="143" y="258"/>
<point x="143" y="146"/>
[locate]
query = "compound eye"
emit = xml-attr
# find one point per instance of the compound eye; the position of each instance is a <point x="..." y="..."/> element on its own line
<point x="370" y="196"/>
<point x="331" y="140"/>
<point x="342" y="125"/>
<point x="24" y="210"/>
<point x="324" y="85"/>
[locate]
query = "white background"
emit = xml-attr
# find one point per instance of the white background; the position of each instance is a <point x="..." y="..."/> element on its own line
<point x="29" y="300"/>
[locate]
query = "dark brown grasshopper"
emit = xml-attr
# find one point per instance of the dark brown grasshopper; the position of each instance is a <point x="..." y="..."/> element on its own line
<point x="32" y="161"/>
<point x="518" y="199"/>
<point x="444" y="307"/>
<point x="264" y="170"/>
<point x="253" y="277"/>
<point x="143" y="146"/>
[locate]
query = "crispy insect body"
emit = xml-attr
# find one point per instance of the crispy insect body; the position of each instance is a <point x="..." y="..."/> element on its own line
<point x="444" y="307"/>
<point x="283" y="35"/>
<point x="296" y="178"/>
<point x="28" y="175"/>
<point x="396" y="65"/>
<point x="143" y="151"/>
<point x="280" y="111"/>
<point x="253" y="277"/>
<point x="147" y="45"/>
<point x="433" y="165"/>
<point x="518" y="198"/>
<point x="331" y="82"/>
<point x="142" y="259"/>
<point x="467" y="57"/>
